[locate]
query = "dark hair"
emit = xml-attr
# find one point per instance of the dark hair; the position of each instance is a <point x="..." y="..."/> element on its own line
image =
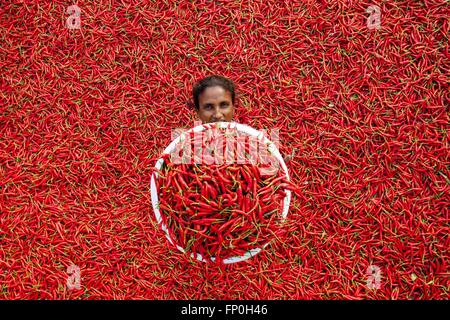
<point x="212" y="81"/>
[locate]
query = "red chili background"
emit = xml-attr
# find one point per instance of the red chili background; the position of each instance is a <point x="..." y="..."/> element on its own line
<point x="84" y="112"/>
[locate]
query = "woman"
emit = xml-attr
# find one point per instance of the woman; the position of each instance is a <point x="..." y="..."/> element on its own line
<point x="214" y="99"/>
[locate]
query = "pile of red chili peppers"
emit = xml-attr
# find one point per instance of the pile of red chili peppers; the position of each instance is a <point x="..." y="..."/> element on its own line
<point x="362" y="113"/>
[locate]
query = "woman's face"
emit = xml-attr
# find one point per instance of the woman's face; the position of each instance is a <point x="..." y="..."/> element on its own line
<point x="215" y="104"/>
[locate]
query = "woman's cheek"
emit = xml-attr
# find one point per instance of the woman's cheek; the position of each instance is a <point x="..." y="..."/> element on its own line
<point x="230" y="114"/>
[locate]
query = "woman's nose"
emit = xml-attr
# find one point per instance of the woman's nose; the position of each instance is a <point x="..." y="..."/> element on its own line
<point x="218" y="115"/>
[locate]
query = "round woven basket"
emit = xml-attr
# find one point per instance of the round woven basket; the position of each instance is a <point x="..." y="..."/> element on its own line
<point x="172" y="147"/>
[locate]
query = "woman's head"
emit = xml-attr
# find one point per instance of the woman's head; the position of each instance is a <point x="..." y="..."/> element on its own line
<point x="214" y="98"/>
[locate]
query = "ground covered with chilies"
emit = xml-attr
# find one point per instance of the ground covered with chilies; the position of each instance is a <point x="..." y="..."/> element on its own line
<point x="364" y="112"/>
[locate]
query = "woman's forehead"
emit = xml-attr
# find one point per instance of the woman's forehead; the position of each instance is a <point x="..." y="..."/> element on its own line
<point x="214" y="93"/>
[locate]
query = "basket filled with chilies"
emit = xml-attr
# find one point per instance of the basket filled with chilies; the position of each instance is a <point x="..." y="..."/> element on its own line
<point x="221" y="192"/>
